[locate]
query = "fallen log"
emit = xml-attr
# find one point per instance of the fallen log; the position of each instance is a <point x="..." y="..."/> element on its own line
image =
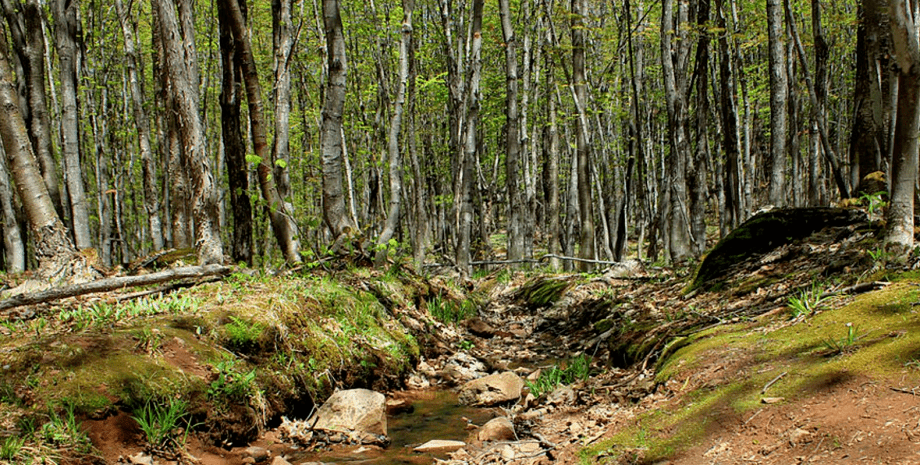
<point x="111" y="284"/>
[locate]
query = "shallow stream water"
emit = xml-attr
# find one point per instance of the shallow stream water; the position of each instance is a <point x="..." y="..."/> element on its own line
<point x="436" y="414"/>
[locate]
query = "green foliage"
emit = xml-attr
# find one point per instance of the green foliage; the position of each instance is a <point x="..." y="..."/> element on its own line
<point x="807" y="302"/>
<point x="164" y="425"/>
<point x="63" y="430"/>
<point x="579" y="368"/>
<point x="874" y="202"/>
<point x="10" y="447"/>
<point x="101" y="314"/>
<point x="451" y="312"/>
<point x="466" y="345"/>
<point x="231" y="384"/>
<point x="845" y="344"/>
<point x="243" y="335"/>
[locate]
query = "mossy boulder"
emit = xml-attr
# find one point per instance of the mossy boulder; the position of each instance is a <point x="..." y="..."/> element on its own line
<point x="764" y="232"/>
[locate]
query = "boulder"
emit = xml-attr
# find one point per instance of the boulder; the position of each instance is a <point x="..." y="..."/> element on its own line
<point x="440" y="445"/>
<point x="497" y="429"/>
<point x="353" y="411"/>
<point x="491" y="390"/>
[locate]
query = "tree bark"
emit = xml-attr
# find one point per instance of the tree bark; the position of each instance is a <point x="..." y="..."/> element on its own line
<point x="731" y="215"/>
<point x="393" y="150"/>
<point x="148" y="168"/>
<point x="516" y="204"/>
<point x="185" y="91"/>
<point x="52" y="246"/>
<point x="468" y="160"/>
<point x="282" y="223"/>
<point x="779" y="83"/>
<point x="335" y="212"/>
<point x="14" y="249"/>
<point x="234" y="144"/>
<point x="66" y="30"/>
<point x="586" y="241"/>
<point x="905" y="32"/>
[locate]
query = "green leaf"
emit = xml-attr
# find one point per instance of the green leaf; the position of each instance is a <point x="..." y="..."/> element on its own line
<point x="254" y="159"/>
<point x="281" y="163"/>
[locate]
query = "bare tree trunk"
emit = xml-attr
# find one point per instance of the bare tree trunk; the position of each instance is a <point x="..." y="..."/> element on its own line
<point x="335" y="211"/>
<point x="66" y="31"/>
<point x="586" y="242"/>
<point x="678" y="221"/>
<point x="696" y="174"/>
<point x="905" y="32"/>
<point x="283" y="43"/>
<point x="282" y="223"/>
<point x="205" y="208"/>
<point x="395" y="163"/>
<point x="551" y="172"/>
<point x="27" y="33"/>
<point x="52" y="246"/>
<point x="516" y="204"/>
<point x="148" y="169"/>
<point x="731" y="216"/>
<point x="231" y="96"/>
<point x="465" y="175"/>
<point x="779" y="83"/>
<point x="13" y="247"/>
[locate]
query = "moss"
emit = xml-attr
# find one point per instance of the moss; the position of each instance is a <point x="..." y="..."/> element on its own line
<point x="543" y="291"/>
<point x="755" y="353"/>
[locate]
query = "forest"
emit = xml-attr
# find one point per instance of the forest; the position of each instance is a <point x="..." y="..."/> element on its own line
<point x="447" y="131"/>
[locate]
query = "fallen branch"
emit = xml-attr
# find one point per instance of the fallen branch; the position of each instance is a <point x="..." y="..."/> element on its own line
<point x="773" y="381"/>
<point x="857" y="288"/>
<point x="912" y="392"/>
<point x="111" y="284"/>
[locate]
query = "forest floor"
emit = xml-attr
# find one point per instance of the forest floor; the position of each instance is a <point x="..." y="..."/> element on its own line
<point x="806" y="353"/>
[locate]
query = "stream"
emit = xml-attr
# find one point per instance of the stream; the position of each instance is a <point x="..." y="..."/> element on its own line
<point x="436" y="414"/>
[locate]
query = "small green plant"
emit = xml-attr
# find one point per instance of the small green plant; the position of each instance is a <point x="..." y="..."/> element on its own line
<point x="913" y="363"/>
<point x="10" y="447"/>
<point x="449" y="312"/>
<point x="874" y="201"/>
<point x="242" y="335"/>
<point x="845" y="344"/>
<point x="807" y="301"/>
<point x="149" y="340"/>
<point x="165" y="425"/>
<point x="579" y="368"/>
<point x="63" y="430"/>
<point x="230" y="383"/>
<point x="466" y="345"/>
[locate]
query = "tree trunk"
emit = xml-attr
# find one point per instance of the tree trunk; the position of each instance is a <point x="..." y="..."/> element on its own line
<point x="395" y="163"/>
<point x="66" y="30"/>
<point x="905" y="32"/>
<point x="281" y="220"/>
<point x="696" y="174"/>
<point x="779" y="83"/>
<point x="283" y="43"/>
<point x="586" y="242"/>
<point x="52" y="246"/>
<point x="335" y="211"/>
<point x="731" y="216"/>
<point x="465" y="180"/>
<point x="185" y="91"/>
<point x="516" y="204"/>
<point x="869" y="134"/>
<point x="148" y="169"/>
<point x="551" y="177"/>
<point x="677" y="224"/>
<point x="231" y="96"/>
<point x="13" y="247"/>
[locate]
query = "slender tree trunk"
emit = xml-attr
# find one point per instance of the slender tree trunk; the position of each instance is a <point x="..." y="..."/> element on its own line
<point x="148" y="169"/>
<point x="465" y="175"/>
<point x="779" y="83"/>
<point x="678" y="221"/>
<point x="66" y="31"/>
<point x="282" y="223"/>
<point x="335" y="211"/>
<point x="393" y="151"/>
<point x="586" y="242"/>
<point x="551" y="176"/>
<point x="516" y="204"/>
<point x="905" y="32"/>
<point x="231" y="96"/>
<point x="699" y="191"/>
<point x="14" y="249"/>
<point x="730" y="144"/>
<point x="283" y="43"/>
<point x="205" y="208"/>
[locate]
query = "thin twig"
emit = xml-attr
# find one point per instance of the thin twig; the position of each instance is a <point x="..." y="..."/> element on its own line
<point x="773" y="381"/>
<point x="912" y="392"/>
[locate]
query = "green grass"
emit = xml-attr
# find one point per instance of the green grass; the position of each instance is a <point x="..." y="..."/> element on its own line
<point x="579" y="368"/>
<point x="164" y="425"/>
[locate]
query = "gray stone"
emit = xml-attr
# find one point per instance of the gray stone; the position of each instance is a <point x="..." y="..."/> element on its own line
<point x="497" y="429"/>
<point x="491" y="390"/>
<point x="440" y="445"/>
<point x="353" y="410"/>
<point x="259" y="454"/>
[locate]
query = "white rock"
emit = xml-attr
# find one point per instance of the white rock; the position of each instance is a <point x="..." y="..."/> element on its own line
<point x="353" y="410"/>
<point x="497" y="429"/>
<point x="440" y="445"/>
<point x="492" y="389"/>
